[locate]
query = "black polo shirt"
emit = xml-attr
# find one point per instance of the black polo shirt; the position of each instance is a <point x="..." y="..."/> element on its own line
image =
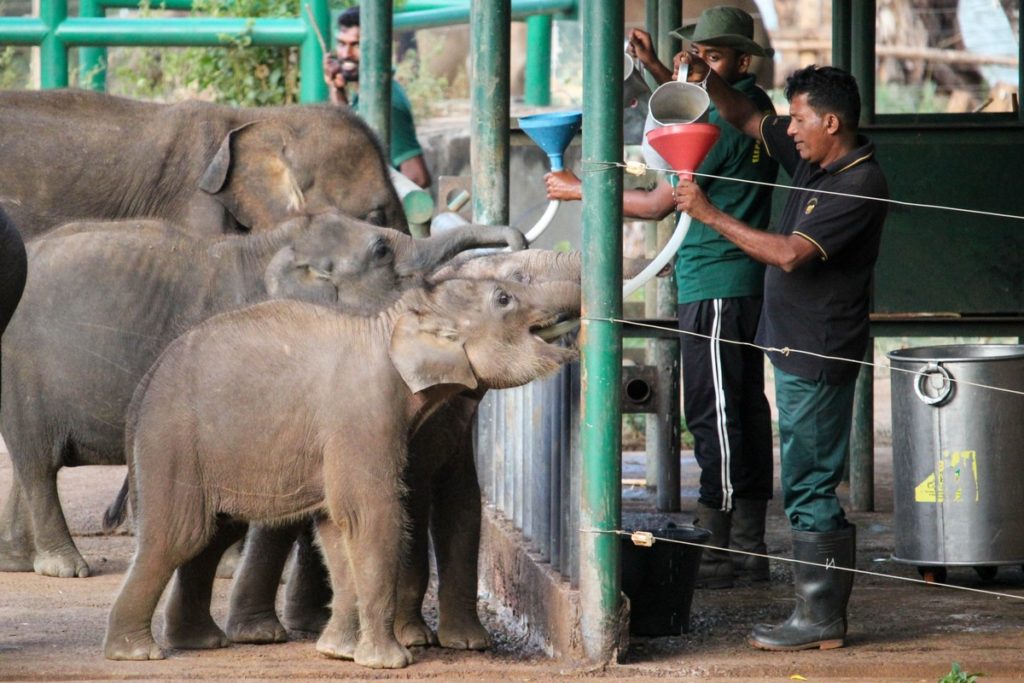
<point x="822" y="306"/>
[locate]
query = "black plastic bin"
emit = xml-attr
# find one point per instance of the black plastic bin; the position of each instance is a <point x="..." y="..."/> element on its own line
<point x="659" y="581"/>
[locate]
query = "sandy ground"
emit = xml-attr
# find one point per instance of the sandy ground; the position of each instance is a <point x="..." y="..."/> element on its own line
<point x="52" y="629"/>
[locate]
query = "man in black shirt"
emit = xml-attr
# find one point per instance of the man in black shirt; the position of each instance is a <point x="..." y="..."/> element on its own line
<point x="817" y="285"/>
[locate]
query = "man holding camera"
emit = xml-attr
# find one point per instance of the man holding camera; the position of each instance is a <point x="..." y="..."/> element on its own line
<point x="341" y="71"/>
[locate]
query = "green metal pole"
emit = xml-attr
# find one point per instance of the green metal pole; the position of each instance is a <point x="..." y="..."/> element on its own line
<point x="601" y="340"/>
<point x="842" y="33"/>
<point x="180" y="31"/>
<point x="459" y="13"/>
<point x="375" y="68"/>
<point x="862" y="438"/>
<point x="862" y="61"/>
<point x="92" y="61"/>
<point x="53" y="53"/>
<point x="312" y="87"/>
<point x="490" y="42"/>
<point x="538" y="60"/>
<point x="670" y="16"/>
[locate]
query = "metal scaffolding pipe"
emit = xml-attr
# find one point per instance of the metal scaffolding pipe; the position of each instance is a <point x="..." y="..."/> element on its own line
<point x="490" y="41"/>
<point x="375" y="69"/>
<point x="600" y="340"/>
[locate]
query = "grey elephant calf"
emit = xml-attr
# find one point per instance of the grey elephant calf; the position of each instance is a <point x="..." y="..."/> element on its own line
<point x="442" y="496"/>
<point x="338" y="398"/>
<point x="104" y="299"/>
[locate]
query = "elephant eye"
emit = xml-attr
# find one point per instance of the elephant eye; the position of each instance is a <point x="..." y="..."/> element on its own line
<point x="503" y="298"/>
<point x="381" y="250"/>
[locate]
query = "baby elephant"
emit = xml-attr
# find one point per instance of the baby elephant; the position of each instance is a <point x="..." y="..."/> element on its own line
<point x="286" y="409"/>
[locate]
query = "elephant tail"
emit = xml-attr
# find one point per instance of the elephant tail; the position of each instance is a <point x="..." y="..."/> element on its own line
<point x="118" y="510"/>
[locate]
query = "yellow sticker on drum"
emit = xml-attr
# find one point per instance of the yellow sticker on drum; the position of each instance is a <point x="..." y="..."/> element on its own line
<point x="960" y="470"/>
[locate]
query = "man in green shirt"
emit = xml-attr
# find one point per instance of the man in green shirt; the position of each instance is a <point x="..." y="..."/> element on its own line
<point x="341" y="71"/>
<point x="720" y="291"/>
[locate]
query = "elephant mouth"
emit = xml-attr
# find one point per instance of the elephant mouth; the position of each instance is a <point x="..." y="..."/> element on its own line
<point x="553" y="329"/>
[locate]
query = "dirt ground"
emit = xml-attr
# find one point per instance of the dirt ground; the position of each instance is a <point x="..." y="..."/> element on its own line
<point x="52" y="629"/>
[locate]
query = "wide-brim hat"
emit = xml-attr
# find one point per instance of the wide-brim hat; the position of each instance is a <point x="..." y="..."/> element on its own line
<point x="724" y="27"/>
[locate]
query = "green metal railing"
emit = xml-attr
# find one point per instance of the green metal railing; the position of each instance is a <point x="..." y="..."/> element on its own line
<point x="55" y="33"/>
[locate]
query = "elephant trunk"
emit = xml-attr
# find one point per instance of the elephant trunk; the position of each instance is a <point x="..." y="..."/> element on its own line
<point x="430" y="253"/>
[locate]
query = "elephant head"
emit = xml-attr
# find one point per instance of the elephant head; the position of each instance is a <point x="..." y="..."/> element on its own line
<point x="306" y="160"/>
<point x="363" y="268"/>
<point x="482" y="334"/>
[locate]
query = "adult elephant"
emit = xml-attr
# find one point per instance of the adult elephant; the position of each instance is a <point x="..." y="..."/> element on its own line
<point x="212" y="169"/>
<point x="442" y="502"/>
<point x="71" y="362"/>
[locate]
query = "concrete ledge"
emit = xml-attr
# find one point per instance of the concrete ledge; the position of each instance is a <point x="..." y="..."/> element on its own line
<point x="531" y="597"/>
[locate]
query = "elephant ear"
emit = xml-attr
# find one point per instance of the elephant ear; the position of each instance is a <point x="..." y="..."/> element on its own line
<point x="251" y="177"/>
<point x="426" y="353"/>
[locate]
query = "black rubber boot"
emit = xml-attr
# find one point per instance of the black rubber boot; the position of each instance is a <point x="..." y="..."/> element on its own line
<point x="819" y="619"/>
<point x="748" y="534"/>
<point x="715" y="565"/>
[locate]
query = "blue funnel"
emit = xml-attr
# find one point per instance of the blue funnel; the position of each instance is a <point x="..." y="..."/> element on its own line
<point x="552" y="132"/>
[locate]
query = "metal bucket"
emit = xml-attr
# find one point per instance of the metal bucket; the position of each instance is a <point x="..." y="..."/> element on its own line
<point x="958" y="455"/>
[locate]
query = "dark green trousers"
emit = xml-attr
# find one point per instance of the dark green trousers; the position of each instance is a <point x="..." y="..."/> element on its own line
<point x="814" y="432"/>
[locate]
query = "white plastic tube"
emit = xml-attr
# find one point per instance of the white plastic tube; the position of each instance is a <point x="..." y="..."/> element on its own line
<point x="655" y="266"/>
<point x="542" y="224"/>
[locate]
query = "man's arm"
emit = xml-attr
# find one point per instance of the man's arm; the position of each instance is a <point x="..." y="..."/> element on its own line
<point x="641" y="47"/>
<point x="415" y="169"/>
<point x="648" y="205"/>
<point x="733" y="105"/>
<point x="788" y="252"/>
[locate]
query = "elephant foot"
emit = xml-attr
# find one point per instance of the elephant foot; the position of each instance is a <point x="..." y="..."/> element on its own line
<point x="389" y="654"/>
<point x="464" y="634"/>
<point x="16" y="559"/>
<point x="306" y="618"/>
<point x="134" y="647"/>
<point x="256" y="629"/>
<point x="414" y="632"/>
<point x="185" y="636"/>
<point x="229" y="561"/>
<point x="67" y="566"/>
<point x="338" y="643"/>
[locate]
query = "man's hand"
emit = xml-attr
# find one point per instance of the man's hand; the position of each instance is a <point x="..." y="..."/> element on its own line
<point x="698" y="67"/>
<point x="334" y="78"/>
<point x="690" y="199"/>
<point x="563" y="185"/>
<point x="641" y="47"/>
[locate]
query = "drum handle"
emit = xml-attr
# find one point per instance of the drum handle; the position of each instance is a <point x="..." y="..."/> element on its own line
<point x="943" y="394"/>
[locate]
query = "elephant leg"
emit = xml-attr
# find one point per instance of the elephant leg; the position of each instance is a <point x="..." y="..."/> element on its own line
<point x="410" y="628"/>
<point x="455" y="529"/>
<point x="308" y="590"/>
<point x="159" y="553"/>
<point x="252" y="617"/>
<point x="188" y="624"/>
<point x="17" y="548"/>
<point x="55" y="551"/>
<point x="341" y="635"/>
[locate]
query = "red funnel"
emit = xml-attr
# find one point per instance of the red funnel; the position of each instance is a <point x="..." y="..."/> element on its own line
<point x="684" y="145"/>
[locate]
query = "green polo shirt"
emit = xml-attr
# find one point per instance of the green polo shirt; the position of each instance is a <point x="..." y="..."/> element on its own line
<point x="708" y="266"/>
<point x="404" y="145"/>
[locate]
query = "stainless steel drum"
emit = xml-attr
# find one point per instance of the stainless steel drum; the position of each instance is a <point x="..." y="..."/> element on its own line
<point x="958" y="456"/>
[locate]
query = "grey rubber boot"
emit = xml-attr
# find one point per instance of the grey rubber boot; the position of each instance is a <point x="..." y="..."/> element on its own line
<point x="716" y="569"/>
<point x="747" y="534"/>
<point x="819" y="618"/>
